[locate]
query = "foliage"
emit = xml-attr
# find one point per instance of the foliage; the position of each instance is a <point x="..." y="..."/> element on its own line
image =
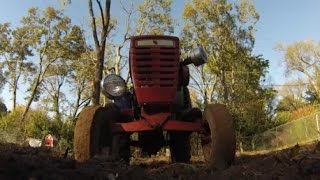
<point x="81" y="76"/>
<point x="233" y="75"/>
<point x="14" y="51"/>
<point x="303" y="57"/>
<point x="195" y="99"/>
<point x="293" y="114"/>
<point x="297" y="100"/>
<point x="282" y="117"/>
<point x="10" y="125"/>
<point x="38" y="124"/>
<point x="66" y="135"/>
<point x="54" y="41"/>
<point x="312" y="97"/>
<point x="154" y="17"/>
<point x="289" y="103"/>
<point x="10" y="118"/>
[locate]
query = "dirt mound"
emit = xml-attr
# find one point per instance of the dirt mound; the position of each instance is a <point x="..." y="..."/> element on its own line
<point x="16" y="162"/>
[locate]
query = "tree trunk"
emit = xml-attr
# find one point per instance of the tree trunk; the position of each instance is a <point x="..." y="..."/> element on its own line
<point x="224" y="85"/>
<point x="97" y="78"/>
<point x="57" y="100"/>
<point x="32" y="95"/>
<point x="14" y="87"/>
<point x="100" y="46"/>
<point x="232" y="87"/>
<point x="80" y="88"/>
<point x="205" y="98"/>
<point x="118" y="59"/>
<point x="14" y="95"/>
<point x="56" y="108"/>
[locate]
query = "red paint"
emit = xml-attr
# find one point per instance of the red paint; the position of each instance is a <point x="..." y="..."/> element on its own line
<point x="127" y="112"/>
<point x="48" y="140"/>
<point x="144" y="125"/>
<point x="154" y="70"/>
<point x="155" y="120"/>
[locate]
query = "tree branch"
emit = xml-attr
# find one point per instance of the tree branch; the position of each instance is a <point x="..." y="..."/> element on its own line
<point x="105" y="31"/>
<point x="93" y="24"/>
<point x="101" y="12"/>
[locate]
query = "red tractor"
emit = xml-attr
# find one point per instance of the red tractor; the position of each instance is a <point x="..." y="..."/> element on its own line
<point x="158" y="108"/>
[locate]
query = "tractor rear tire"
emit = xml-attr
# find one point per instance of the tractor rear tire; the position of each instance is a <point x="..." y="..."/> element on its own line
<point x="92" y="132"/>
<point x="180" y="146"/>
<point x="219" y="144"/>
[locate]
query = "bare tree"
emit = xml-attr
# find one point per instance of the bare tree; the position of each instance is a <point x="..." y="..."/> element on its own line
<point x="100" y="45"/>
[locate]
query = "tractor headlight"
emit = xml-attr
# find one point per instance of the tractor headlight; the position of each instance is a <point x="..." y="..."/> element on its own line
<point x="198" y="56"/>
<point x="113" y="86"/>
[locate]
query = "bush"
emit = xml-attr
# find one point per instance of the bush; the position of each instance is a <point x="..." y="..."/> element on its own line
<point x="36" y="125"/>
<point x="10" y="120"/>
<point x="287" y="116"/>
<point x="282" y="117"/>
<point x="66" y="135"/>
<point x="11" y="127"/>
<point x="303" y="111"/>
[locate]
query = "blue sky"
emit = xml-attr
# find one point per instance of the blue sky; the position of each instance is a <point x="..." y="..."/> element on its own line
<point x="282" y="21"/>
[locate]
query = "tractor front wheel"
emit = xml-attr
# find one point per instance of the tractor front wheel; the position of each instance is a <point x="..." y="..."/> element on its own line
<point x="219" y="141"/>
<point x="92" y="132"/>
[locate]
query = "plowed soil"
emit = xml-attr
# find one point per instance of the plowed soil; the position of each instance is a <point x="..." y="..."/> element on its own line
<point x="16" y="162"/>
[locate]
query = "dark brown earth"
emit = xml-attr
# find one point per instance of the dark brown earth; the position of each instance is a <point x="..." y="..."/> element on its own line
<point x="16" y="162"/>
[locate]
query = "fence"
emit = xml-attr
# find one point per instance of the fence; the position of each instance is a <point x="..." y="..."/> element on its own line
<point x="299" y="131"/>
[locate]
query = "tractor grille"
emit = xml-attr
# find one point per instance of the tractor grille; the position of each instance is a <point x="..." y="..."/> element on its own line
<point x="154" y="71"/>
<point x="155" y="67"/>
